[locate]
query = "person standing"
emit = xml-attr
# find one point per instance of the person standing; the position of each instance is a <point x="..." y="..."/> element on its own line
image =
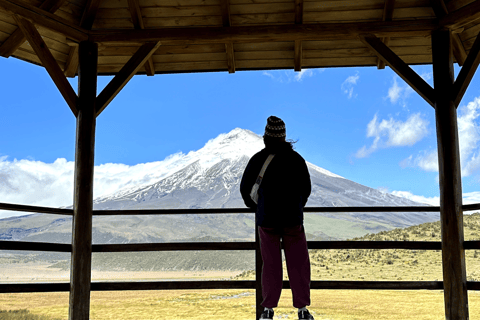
<point x="282" y="195"/>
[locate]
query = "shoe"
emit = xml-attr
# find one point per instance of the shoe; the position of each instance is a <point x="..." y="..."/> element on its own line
<point x="267" y="314"/>
<point x="304" y="315"/>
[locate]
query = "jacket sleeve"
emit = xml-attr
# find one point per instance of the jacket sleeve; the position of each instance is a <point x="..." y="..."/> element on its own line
<point x="248" y="180"/>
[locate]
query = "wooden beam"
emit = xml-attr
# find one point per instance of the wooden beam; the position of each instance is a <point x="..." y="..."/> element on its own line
<point x="136" y="14"/>
<point x="387" y="16"/>
<point x="137" y="20"/>
<point x="81" y="258"/>
<point x="466" y="73"/>
<point x="212" y="35"/>
<point x="124" y="75"/>
<point x="48" y="61"/>
<point x="400" y="67"/>
<point x="71" y="66"/>
<point x="462" y="16"/>
<point x="298" y="11"/>
<point x="451" y="214"/>
<point x="17" y="38"/>
<point x="13" y="42"/>
<point x="441" y="11"/>
<point x="89" y="14"/>
<point x="298" y="43"/>
<point x="298" y="55"/>
<point x="225" y="7"/>
<point x="44" y="19"/>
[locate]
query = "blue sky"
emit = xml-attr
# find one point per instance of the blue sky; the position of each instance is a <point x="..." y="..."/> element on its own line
<point x="364" y="124"/>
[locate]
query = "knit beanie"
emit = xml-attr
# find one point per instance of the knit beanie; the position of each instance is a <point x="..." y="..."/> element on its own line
<point x="275" y="127"/>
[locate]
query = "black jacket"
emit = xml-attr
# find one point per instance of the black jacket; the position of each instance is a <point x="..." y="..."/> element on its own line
<point x="284" y="189"/>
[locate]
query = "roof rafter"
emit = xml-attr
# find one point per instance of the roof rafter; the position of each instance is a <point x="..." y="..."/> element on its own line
<point x="137" y="20"/>
<point x="124" y="75"/>
<point x="466" y="73"/>
<point x="387" y="16"/>
<point x="441" y="11"/>
<point x="35" y="40"/>
<point x="44" y="19"/>
<point x="71" y="66"/>
<point x="462" y="16"/>
<point x="324" y="31"/>
<point x="17" y="38"/>
<point x="400" y="67"/>
<point x="298" y="43"/>
<point x="89" y="14"/>
<point x="225" y="6"/>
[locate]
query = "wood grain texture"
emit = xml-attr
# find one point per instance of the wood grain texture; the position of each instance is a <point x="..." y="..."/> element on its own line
<point x="451" y="215"/>
<point x="71" y="66"/>
<point x="89" y="14"/>
<point x="45" y="19"/>
<point x="81" y="258"/>
<point x="466" y="73"/>
<point x="327" y="31"/>
<point x="462" y="16"/>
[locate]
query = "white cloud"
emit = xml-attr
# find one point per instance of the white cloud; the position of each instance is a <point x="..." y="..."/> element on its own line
<point x="394" y="133"/>
<point x="287" y="76"/>
<point x="51" y="184"/>
<point x="469" y="142"/>
<point x="468" y="198"/>
<point x="303" y="73"/>
<point x="394" y="91"/>
<point x="348" y="85"/>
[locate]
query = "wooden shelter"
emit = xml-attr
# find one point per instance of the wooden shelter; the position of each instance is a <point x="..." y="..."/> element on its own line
<point x="130" y="37"/>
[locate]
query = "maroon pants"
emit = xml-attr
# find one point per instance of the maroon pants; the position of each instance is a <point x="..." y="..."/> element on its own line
<point x="298" y="265"/>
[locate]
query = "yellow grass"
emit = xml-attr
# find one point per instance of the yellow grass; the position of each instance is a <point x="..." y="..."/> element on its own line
<point x="239" y="305"/>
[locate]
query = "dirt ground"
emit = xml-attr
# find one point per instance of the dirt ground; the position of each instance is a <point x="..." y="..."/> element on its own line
<point x="36" y="272"/>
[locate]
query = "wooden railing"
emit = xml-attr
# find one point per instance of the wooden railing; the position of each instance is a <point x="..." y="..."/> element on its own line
<point x="201" y="246"/>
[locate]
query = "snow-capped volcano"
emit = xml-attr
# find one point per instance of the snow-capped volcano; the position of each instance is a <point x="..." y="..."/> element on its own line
<point x="210" y="178"/>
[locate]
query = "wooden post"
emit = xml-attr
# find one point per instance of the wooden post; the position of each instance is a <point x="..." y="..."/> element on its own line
<point x="258" y="275"/>
<point x="80" y="271"/>
<point x="451" y="214"/>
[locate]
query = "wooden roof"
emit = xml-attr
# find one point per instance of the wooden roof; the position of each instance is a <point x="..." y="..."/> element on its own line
<point x="229" y="35"/>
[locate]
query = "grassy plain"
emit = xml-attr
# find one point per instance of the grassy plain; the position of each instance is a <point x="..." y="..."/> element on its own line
<point x="326" y="304"/>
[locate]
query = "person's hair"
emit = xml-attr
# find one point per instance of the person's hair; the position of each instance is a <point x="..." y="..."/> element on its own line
<point x="274" y="144"/>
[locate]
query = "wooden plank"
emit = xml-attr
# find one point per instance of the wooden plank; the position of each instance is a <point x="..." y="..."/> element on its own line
<point x="259" y="19"/>
<point x="470" y="32"/>
<point x="130" y="50"/>
<point x="451" y="215"/>
<point x="136" y="14"/>
<point x="187" y="11"/>
<point x="45" y="19"/>
<point x="81" y="259"/>
<point x="60" y="57"/>
<point x="441" y="11"/>
<point x="121" y="79"/>
<point x="153" y="23"/>
<point x="137" y="21"/>
<point x="49" y="62"/>
<point x="268" y="64"/>
<point x="35" y="209"/>
<point x="229" y="49"/>
<point x="400" y="67"/>
<point x="269" y="8"/>
<point x="339" y="62"/>
<point x="462" y="16"/>
<point x="466" y="73"/>
<point x="327" y="31"/>
<point x="35" y="246"/>
<point x="265" y="46"/>
<point x="368" y="15"/>
<point x="17" y="38"/>
<point x="225" y="9"/>
<point x="89" y="14"/>
<point x="71" y="66"/>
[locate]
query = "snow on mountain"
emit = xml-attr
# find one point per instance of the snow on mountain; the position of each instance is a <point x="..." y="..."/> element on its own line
<point x="210" y="178"/>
